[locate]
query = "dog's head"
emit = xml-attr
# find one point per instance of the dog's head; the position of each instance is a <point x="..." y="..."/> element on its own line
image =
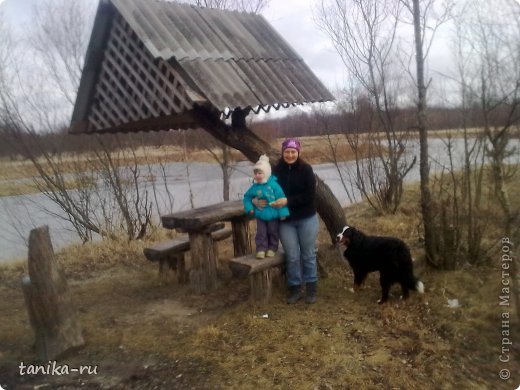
<point x="345" y="236"/>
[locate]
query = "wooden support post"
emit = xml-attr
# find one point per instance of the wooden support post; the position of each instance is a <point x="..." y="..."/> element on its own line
<point x="241" y="236"/>
<point x="261" y="286"/>
<point x="176" y="262"/>
<point x="182" y="274"/>
<point x="51" y="312"/>
<point x="203" y="271"/>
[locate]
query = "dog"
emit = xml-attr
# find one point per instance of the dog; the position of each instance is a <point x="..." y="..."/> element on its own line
<point x="388" y="255"/>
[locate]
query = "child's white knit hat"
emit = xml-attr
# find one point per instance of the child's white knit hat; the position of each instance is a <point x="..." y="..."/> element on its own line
<point x="263" y="165"/>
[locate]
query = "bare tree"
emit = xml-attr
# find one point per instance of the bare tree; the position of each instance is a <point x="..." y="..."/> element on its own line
<point x="224" y="159"/>
<point x="425" y="23"/>
<point x="458" y="202"/>
<point x="322" y="118"/>
<point x="424" y="169"/>
<point x="6" y="48"/>
<point x="19" y="95"/>
<point x="490" y="50"/>
<point x="60" y="28"/>
<point x="59" y="36"/>
<point x="122" y="175"/>
<point x="253" y="6"/>
<point x="364" y="34"/>
<point x="495" y="43"/>
<point x="50" y="180"/>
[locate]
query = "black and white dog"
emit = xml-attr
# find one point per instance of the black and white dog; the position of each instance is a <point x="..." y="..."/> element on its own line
<point x="388" y="255"/>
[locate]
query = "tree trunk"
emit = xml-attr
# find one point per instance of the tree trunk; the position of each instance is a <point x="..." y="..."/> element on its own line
<point x="240" y="137"/>
<point x="424" y="169"/>
<point x="51" y="312"/>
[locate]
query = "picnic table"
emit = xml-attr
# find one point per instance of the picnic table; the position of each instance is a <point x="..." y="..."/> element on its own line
<point x="200" y="223"/>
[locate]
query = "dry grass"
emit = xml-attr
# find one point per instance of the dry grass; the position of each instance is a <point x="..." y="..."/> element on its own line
<point x="321" y="149"/>
<point x="148" y="332"/>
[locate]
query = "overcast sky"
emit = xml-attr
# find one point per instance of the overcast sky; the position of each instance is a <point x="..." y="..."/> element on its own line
<point x="293" y="19"/>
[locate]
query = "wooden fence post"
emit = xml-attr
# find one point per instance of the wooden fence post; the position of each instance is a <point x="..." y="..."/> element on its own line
<point x="51" y="312"/>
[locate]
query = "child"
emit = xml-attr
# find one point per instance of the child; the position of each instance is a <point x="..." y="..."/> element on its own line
<point x="265" y="187"/>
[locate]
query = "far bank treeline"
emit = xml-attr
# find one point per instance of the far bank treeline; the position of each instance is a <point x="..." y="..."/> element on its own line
<point x="317" y="121"/>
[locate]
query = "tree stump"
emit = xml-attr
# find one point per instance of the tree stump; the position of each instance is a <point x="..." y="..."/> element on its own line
<point x="51" y="312"/>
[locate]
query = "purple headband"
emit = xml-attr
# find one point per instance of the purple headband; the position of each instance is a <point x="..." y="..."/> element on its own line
<point x="291" y="143"/>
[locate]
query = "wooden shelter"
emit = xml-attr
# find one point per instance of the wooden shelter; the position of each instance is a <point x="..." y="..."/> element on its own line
<point x="149" y="63"/>
<point x="156" y="65"/>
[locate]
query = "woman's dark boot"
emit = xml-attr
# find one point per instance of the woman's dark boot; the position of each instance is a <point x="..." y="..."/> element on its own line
<point x="310" y="292"/>
<point x="295" y="294"/>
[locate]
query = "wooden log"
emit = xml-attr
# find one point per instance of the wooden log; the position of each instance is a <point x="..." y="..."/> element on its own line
<point x="203" y="271"/>
<point x="51" y="312"/>
<point x="261" y="286"/>
<point x="176" y="262"/>
<point x="241" y="236"/>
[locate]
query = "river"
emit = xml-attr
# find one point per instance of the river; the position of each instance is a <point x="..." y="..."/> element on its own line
<point x="20" y="214"/>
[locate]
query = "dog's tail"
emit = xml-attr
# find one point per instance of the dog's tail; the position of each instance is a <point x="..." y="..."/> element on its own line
<point x="419" y="287"/>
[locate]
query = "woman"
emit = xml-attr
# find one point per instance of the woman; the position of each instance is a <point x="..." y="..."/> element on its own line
<point x="299" y="231"/>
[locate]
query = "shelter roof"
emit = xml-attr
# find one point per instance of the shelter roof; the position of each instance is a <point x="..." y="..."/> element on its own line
<point x="149" y="62"/>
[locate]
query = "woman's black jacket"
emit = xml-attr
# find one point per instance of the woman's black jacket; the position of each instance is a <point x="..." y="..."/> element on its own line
<point x="299" y="185"/>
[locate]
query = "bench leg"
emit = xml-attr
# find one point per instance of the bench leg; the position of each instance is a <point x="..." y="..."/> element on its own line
<point x="262" y="285"/>
<point x="177" y="263"/>
<point x="165" y="267"/>
<point x="203" y="272"/>
<point x="166" y="263"/>
<point x="162" y="266"/>
<point x="241" y="236"/>
<point x="182" y="274"/>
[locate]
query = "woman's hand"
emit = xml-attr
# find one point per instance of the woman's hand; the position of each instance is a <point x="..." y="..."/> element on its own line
<point x="279" y="203"/>
<point x="259" y="203"/>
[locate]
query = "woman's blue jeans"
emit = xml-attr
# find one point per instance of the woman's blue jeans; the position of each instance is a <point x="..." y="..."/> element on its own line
<point x="299" y="243"/>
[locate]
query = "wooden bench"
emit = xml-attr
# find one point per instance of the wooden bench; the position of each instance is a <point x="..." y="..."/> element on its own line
<point x="261" y="273"/>
<point x="171" y="252"/>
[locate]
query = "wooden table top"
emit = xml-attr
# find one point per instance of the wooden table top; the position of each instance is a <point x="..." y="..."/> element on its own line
<point x="201" y="217"/>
